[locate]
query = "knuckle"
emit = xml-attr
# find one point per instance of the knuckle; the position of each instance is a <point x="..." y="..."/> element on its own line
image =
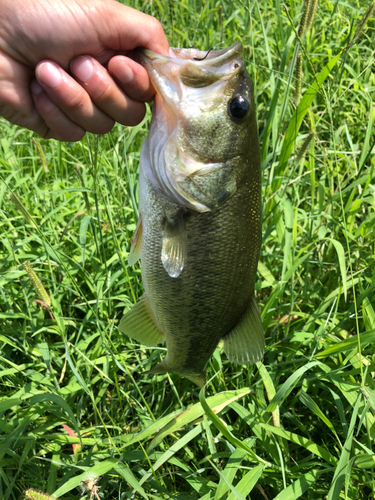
<point x="104" y="92"/>
<point x="156" y="27"/>
<point x="49" y="110"/>
<point x="56" y="124"/>
<point x="76" y="102"/>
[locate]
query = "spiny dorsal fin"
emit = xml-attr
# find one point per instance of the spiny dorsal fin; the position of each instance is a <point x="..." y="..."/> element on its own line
<point x="244" y="345"/>
<point x="174" y="246"/>
<point x="136" y="244"/>
<point x="138" y="324"/>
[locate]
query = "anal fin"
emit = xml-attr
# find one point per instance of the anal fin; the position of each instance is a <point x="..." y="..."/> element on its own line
<point x="139" y="324"/>
<point x="245" y="344"/>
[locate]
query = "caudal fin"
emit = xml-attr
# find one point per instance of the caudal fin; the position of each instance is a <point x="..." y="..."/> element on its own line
<point x="163" y="367"/>
<point x="200" y="379"/>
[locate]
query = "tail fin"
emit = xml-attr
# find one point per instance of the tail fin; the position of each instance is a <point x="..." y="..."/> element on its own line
<point x="160" y="368"/>
<point x="200" y="379"/>
<point x="163" y="367"/>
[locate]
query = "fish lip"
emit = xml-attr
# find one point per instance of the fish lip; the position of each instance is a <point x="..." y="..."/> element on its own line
<point x="142" y="55"/>
<point x="212" y="57"/>
<point x="209" y="58"/>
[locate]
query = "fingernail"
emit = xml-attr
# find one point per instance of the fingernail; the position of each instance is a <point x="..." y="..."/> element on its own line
<point x="36" y="88"/>
<point x="49" y="74"/>
<point x="82" y="68"/>
<point x="125" y="74"/>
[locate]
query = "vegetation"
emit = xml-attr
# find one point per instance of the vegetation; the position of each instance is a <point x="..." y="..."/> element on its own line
<point x="299" y="425"/>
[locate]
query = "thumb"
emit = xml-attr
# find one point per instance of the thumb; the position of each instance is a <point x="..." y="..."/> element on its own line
<point x="128" y="28"/>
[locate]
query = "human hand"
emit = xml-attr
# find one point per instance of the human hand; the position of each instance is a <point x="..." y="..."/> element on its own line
<point x="42" y="41"/>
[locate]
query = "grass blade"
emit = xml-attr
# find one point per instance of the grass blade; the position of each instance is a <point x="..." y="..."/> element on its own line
<point x="298" y="488"/>
<point x="83" y="236"/>
<point x="340" y="471"/>
<point x="96" y="471"/>
<point x="221" y="427"/>
<point x="302" y="109"/>
<point x="129" y="477"/>
<point x="341" y="256"/>
<point x="215" y="404"/>
<point x="247" y="483"/>
<point x="348" y="344"/>
<point x="301" y="441"/>
<point x="289" y="385"/>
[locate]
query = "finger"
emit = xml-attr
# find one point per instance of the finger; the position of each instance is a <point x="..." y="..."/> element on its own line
<point x="132" y="78"/>
<point x="16" y="103"/>
<point x="72" y="98"/>
<point x="105" y="93"/>
<point x="57" y="124"/>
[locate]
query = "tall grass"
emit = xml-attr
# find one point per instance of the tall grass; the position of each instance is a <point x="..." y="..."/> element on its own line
<point x="300" y="424"/>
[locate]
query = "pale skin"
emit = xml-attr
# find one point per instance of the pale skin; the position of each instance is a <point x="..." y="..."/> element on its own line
<point x="64" y="68"/>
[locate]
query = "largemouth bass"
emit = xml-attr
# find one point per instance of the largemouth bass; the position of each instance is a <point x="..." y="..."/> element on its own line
<point x="199" y="230"/>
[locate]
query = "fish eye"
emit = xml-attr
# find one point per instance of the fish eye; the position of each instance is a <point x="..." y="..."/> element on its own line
<point x="238" y="107"/>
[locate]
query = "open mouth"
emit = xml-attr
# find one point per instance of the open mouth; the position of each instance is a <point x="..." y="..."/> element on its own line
<point x="191" y="67"/>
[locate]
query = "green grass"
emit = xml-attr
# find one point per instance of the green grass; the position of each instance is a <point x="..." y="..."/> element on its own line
<point x="299" y="425"/>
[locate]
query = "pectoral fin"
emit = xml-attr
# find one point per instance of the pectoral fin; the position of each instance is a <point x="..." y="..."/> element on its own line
<point x="174" y="246"/>
<point x="136" y="244"/>
<point x="139" y="324"/>
<point x="244" y="345"/>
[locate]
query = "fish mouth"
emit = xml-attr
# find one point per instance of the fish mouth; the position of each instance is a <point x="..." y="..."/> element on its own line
<point x="211" y="57"/>
<point x="192" y="68"/>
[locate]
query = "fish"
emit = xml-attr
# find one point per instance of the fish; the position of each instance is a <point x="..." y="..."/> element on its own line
<point x="198" y="234"/>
